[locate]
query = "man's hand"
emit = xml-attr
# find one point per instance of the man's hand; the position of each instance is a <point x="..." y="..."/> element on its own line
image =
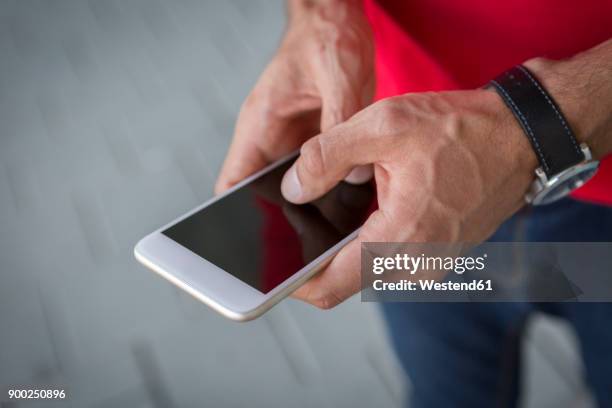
<point x="321" y="75"/>
<point x="449" y="167"/>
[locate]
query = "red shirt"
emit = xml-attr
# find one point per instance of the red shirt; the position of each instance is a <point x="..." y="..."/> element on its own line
<point x="434" y="45"/>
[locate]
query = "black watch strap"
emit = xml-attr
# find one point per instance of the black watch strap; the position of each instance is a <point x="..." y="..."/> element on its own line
<point x="541" y="119"/>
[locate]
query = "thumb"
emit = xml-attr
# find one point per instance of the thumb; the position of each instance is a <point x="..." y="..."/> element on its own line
<point x="324" y="161"/>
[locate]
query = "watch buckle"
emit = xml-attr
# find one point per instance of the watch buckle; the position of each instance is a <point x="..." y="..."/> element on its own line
<point x="543" y="183"/>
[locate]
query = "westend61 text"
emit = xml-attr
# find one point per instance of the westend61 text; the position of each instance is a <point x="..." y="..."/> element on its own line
<point x="432" y="285"/>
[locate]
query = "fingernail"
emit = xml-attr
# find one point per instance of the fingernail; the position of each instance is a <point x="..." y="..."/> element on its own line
<point x="360" y="175"/>
<point x="291" y="186"/>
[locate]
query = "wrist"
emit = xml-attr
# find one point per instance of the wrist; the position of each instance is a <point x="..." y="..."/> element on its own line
<point x="510" y="153"/>
<point x="582" y="89"/>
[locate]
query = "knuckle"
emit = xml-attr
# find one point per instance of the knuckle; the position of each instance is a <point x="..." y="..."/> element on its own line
<point x="219" y="187"/>
<point x="388" y="113"/>
<point x="259" y="96"/>
<point x="313" y="159"/>
<point x="326" y="302"/>
<point x="255" y="96"/>
<point x="319" y="296"/>
<point x="263" y="100"/>
<point x="453" y="124"/>
<point x="251" y="102"/>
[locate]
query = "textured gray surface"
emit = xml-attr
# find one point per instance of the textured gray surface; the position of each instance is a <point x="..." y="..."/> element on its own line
<point x="114" y="118"/>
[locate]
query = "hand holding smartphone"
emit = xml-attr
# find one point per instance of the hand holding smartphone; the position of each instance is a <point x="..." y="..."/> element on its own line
<point x="248" y="248"/>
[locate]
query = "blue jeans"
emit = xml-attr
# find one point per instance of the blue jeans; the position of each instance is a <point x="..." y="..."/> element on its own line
<point x="467" y="354"/>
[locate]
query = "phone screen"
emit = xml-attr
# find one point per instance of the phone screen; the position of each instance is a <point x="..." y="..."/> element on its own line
<point x="260" y="238"/>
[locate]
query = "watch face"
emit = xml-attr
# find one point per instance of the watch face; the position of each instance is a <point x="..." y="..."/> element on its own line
<point x="564" y="183"/>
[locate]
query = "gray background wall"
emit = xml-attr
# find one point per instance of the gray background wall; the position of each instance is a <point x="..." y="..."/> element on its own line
<point x="114" y="118"/>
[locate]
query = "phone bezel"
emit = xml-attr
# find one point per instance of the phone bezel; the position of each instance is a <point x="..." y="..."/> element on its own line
<point x="211" y="284"/>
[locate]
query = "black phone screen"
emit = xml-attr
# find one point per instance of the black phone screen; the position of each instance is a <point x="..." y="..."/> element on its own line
<point x="260" y="238"/>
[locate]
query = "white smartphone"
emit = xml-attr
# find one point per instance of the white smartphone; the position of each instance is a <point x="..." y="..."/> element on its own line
<point x="248" y="248"/>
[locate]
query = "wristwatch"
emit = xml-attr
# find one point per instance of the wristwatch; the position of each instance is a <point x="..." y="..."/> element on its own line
<point x="565" y="164"/>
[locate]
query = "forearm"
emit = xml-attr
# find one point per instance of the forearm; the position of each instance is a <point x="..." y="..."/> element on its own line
<point x="299" y="8"/>
<point x="582" y="87"/>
